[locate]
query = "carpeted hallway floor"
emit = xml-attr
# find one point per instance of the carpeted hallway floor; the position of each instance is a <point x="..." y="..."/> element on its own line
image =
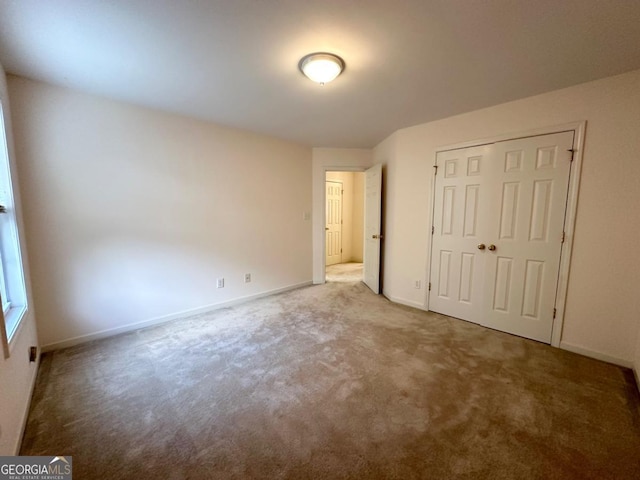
<point x="344" y="272"/>
<point x="332" y="382"/>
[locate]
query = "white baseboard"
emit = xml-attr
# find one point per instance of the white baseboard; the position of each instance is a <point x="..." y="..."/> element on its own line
<point x="597" y="355"/>
<point x="25" y="412"/>
<point x="165" y="318"/>
<point x="403" y="301"/>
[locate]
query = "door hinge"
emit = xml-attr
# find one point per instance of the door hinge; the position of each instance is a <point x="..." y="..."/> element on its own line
<point x="436" y="169"/>
<point x="573" y="151"/>
<point x="433" y="229"/>
<point x="563" y="237"/>
<point x="429" y="286"/>
<point x="554" y="313"/>
<point x="340" y="250"/>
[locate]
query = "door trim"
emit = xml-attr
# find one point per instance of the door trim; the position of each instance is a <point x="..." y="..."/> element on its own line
<point x="570" y="214"/>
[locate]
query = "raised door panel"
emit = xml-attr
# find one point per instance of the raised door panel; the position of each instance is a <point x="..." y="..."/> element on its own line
<point x="502" y="285"/>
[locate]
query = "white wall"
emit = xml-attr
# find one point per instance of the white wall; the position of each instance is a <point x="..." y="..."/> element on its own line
<point x="602" y="307"/>
<point x="17" y="374"/>
<point x="131" y="214"/>
<point x="324" y="160"/>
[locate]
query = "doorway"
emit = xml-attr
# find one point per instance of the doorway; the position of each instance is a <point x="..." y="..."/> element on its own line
<point x="502" y="214"/>
<point x="344" y="224"/>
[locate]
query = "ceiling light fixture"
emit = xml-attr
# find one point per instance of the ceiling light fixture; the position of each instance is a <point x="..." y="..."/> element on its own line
<point x="321" y="67"/>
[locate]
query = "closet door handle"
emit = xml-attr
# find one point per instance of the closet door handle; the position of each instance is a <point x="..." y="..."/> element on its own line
<point x="492" y="248"/>
<point x="482" y="246"/>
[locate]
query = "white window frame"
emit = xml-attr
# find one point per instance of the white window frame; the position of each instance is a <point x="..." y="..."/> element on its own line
<point x="13" y="290"/>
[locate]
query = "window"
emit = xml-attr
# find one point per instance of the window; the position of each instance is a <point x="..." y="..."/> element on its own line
<point x="12" y="286"/>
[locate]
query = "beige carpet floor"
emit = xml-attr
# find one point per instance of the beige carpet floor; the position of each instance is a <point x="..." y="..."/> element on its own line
<point x="332" y="382"/>
<point x="344" y="272"/>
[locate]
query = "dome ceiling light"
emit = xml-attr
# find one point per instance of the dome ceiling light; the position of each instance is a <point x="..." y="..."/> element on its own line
<point x="321" y="67"/>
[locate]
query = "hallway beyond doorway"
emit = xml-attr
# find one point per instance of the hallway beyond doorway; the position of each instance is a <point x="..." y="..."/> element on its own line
<point x="344" y="272"/>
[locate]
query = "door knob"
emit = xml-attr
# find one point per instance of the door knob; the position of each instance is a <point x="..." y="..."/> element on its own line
<point x="481" y="246"/>
<point x="374" y="236"/>
<point x="326" y="228"/>
<point x="492" y="247"/>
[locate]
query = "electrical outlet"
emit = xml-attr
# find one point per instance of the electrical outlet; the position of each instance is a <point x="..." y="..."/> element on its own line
<point x="220" y="283"/>
<point x="418" y="284"/>
<point x="306" y="216"/>
<point x="247" y="278"/>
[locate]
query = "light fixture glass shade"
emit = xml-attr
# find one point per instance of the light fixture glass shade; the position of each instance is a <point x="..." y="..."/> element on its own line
<point x="321" y="67"/>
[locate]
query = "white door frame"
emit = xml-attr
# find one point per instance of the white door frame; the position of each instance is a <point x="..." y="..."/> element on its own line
<point x="570" y="216"/>
<point x="326" y="169"/>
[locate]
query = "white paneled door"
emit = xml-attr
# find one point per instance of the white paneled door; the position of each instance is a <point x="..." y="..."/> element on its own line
<point x="333" y="227"/>
<point x="461" y="224"/>
<point x="498" y="230"/>
<point x="372" y="226"/>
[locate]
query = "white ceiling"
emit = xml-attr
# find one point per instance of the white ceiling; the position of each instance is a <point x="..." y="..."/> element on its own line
<point x="234" y="62"/>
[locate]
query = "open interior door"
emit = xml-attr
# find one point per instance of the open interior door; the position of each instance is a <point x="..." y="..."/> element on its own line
<point x="372" y="233"/>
